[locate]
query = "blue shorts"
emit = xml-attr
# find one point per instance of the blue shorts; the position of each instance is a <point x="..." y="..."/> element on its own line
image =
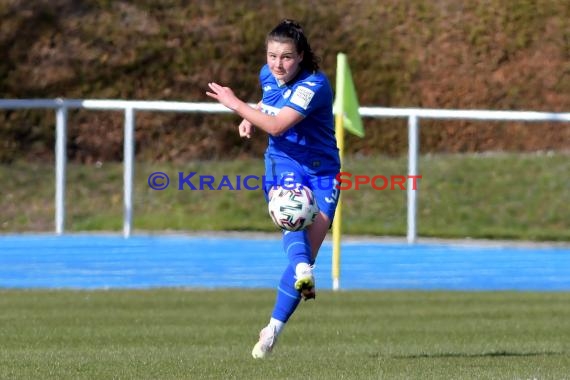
<point x="284" y="171"/>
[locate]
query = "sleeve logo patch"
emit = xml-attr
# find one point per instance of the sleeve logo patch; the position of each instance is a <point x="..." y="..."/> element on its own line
<point x="302" y="97"/>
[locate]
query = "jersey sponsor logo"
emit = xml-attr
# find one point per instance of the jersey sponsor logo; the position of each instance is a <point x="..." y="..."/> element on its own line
<point x="302" y="97"/>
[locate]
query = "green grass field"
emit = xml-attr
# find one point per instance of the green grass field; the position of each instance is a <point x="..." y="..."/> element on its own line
<point x="493" y="196"/>
<point x="199" y="334"/>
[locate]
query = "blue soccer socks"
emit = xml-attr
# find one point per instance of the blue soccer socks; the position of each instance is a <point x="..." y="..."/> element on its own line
<point x="287" y="298"/>
<point x="297" y="247"/>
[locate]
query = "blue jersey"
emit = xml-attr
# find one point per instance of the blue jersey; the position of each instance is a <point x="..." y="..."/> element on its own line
<point x="311" y="142"/>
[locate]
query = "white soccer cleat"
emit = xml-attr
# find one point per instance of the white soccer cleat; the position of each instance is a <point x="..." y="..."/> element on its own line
<point x="305" y="283"/>
<point x="267" y="339"/>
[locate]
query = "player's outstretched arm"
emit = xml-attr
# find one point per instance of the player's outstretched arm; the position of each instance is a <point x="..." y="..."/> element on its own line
<point x="272" y="124"/>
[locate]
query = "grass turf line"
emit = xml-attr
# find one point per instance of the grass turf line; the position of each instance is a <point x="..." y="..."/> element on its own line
<point x="190" y="334"/>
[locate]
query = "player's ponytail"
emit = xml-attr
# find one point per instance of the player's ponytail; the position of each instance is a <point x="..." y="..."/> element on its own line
<point x="290" y="30"/>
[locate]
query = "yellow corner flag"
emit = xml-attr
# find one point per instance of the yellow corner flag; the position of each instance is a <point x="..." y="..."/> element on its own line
<point x="347" y="116"/>
<point x="346" y="101"/>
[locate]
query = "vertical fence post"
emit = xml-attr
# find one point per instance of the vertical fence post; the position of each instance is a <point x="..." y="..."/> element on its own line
<point x="413" y="149"/>
<point x="128" y="171"/>
<point x="60" y="165"/>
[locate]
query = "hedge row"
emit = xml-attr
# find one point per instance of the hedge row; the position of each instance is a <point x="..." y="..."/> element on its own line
<point x="492" y="54"/>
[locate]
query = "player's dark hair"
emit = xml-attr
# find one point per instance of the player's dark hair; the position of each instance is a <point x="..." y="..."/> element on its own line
<point x="291" y="31"/>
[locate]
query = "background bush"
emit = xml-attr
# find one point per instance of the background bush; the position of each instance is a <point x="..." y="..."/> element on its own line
<point x="490" y="54"/>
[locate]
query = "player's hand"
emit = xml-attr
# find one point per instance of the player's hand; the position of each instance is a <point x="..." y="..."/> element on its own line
<point x="245" y="129"/>
<point x="224" y="95"/>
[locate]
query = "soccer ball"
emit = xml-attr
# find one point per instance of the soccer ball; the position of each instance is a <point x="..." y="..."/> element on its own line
<point x="292" y="209"/>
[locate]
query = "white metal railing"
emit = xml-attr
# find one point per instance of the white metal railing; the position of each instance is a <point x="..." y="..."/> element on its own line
<point x="129" y="107"/>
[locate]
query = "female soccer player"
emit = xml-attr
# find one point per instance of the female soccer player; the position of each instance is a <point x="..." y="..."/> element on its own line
<point x="296" y="112"/>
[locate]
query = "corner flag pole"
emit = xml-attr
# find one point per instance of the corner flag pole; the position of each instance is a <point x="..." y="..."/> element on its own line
<point x="337" y="222"/>
<point x="339" y="130"/>
<point x="347" y="115"/>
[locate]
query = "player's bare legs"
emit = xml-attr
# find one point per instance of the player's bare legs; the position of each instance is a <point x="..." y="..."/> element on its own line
<point x="317" y="233"/>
